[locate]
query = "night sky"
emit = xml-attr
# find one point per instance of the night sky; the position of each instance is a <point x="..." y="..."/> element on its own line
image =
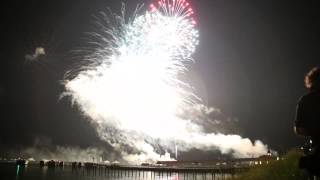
<point x="251" y="61"/>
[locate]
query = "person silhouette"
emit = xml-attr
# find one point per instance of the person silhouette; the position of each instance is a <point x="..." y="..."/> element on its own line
<point x="307" y="121"/>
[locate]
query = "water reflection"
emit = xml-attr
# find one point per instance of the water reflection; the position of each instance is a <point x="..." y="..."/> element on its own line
<point x="17" y="171"/>
<point x="34" y="172"/>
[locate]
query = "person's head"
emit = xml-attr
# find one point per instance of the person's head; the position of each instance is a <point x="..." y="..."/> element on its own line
<point x="312" y="79"/>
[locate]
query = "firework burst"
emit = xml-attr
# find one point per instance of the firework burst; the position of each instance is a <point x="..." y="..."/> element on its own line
<point x="174" y="8"/>
<point x="136" y="80"/>
<point x="132" y="88"/>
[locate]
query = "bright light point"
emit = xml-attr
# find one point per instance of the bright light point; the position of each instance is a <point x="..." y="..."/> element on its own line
<point x="39" y="51"/>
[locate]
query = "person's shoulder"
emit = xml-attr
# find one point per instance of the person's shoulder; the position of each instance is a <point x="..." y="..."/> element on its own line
<point x="311" y="96"/>
<point x="304" y="97"/>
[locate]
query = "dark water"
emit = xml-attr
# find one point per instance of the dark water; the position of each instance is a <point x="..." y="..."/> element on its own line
<point x="9" y="171"/>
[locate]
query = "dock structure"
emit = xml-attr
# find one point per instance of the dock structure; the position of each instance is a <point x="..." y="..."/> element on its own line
<point x="219" y="169"/>
<point x="185" y="170"/>
<point x="152" y="172"/>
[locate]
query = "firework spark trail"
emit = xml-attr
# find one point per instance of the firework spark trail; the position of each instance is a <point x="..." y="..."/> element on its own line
<point x="132" y="90"/>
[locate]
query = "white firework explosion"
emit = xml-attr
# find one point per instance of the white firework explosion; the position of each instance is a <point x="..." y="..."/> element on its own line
<point x="133" y="90"/>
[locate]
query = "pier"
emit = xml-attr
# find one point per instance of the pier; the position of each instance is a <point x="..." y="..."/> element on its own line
<point x="150" y="172"/>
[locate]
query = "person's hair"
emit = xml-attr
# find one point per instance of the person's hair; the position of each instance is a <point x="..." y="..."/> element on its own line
<point x="312" y="79"/>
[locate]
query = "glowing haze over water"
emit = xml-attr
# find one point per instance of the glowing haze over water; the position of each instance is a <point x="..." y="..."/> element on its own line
<point x="132" y="89"/>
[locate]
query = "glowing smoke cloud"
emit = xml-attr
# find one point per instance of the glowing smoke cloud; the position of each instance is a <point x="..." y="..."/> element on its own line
<point x="132" y="90"/>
